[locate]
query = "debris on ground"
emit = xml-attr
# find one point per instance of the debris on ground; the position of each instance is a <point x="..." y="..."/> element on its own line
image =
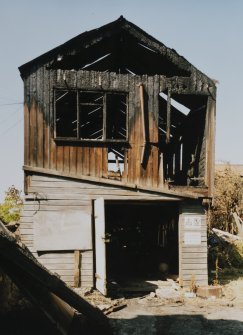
<point x="115" y="306"/>
<point x="230" y="238"/>
<point x="210" y="291"/>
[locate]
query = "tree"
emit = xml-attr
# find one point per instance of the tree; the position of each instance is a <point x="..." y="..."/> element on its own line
<point x="11" y="207"/>
<point x="227" y="200"/>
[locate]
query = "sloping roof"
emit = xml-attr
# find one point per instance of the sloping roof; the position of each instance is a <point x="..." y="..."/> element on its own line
<point x="89" y="39"/>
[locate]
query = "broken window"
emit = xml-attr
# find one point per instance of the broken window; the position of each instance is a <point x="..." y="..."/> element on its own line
<point x="91" y="115"/>
<point x="181" y="132"/>
<point x="116" y="116"/>
<point x="116" y="163"/>
<point x="66" y="114"/>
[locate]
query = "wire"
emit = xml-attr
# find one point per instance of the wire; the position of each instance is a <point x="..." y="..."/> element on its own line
<point x="12" y="103"/>
<point x="11" y="127"/>
<point x="10" y="115"/>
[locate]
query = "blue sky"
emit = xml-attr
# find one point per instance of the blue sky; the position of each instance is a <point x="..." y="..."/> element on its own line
<point x="207" y="33"/>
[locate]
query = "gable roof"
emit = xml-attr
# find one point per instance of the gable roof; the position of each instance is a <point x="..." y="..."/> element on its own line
<point x="81" y="46"/>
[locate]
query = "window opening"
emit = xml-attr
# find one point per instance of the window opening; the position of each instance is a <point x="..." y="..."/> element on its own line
<point x="66" y="114"/>
<point x="182" y="146"/>
<point x="91" y="115"/>
<point x="116" y="116"/>
<point x="180" y="107"/>
<point x="116" y="164"/>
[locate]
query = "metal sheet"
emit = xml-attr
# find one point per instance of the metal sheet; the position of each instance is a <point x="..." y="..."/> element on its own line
<point x="62" y="230"/>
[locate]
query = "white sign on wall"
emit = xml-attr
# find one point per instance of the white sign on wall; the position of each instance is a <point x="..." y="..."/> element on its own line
<point x="192" y="222"/>
<point x="192" y="238"/>
<point x="192" y="230"/>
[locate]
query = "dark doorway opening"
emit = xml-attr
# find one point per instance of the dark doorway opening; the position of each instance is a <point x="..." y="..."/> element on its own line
<point x="142" y="240"/>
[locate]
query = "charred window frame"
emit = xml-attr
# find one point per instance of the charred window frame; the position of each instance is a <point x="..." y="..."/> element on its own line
<point x="90" y="115"/>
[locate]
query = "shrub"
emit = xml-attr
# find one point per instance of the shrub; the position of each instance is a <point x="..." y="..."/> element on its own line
<point x="11" y="207"/>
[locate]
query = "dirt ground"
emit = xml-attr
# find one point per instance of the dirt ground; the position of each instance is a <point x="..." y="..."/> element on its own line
<point x="196" y="316"/>
<point x="148" y="314"/>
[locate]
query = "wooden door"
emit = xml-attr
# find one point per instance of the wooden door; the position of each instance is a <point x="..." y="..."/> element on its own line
<point x="100" y="248"/>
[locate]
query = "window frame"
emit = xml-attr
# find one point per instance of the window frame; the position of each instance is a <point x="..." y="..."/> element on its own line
<point x="104" y="111"/>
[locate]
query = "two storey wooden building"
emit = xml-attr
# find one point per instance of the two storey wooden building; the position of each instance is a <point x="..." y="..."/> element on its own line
<point x="118" y="159"/>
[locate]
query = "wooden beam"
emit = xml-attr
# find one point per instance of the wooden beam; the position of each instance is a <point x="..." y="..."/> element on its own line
<point x="161" y="171"/>
<point x="175" y="195"/>
<point x="141" y="95"/>
<point x="168" y="116"/>
<point x="210" y="145"/>
<point x="77" y="268"/>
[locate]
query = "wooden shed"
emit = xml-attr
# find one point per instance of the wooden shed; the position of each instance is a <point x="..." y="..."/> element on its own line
<point x="118" y="159"/>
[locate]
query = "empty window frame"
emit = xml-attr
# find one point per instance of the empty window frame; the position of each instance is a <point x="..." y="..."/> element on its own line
<point x="90" y="115"/>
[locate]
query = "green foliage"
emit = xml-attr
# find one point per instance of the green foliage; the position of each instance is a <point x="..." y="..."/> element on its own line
<point x="11" y="207"/>
<point x="227" y="200"/>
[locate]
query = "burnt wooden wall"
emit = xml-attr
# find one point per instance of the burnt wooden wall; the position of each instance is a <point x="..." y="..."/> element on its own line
<point x="90" y="159"/>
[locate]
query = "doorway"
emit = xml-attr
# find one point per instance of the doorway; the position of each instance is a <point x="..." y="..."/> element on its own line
<point x="141" y="240"/>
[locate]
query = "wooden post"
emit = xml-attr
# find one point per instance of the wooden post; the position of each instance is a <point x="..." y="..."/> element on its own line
<point x="161" y="171"/>
<point x="143" y="122"/>
<point x="168" y="116"/>
<point x="210" y="144"/>
<point x="77" y="268"/>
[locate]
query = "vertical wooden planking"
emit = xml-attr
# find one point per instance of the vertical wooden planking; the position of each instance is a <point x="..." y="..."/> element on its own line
<point x="131" y="126"/>
<point x="104" y="172"/>
<point x="73" y="159"/>
<point x="46" y="119"/>
<point x="73" y="148"/>
<point x="66" y="158"/>
<point x="155" y="110"/>
<point x="126" y="150"/>
<point x="146" y="169"/>
<point x="33" y="120"/>
<point x="145" y="147"/>
<point x="39" y="110"/>
<point x="138" y="140"/>
<point x="79" y="160"/>
<point x="54" y="152"/>
<point x="26" y="121"/>
<point x="59" y="157"/>
<point x="80" y="80"/>
<point x="86" y="160"/>
<point x="154" y="126"/>
<point x="98" y="162"/>
<point x="92" y="161"/>
<point x="210" y="140"/>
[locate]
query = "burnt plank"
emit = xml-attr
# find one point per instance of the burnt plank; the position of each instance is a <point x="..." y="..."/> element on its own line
<point x="27" y="122"/>
<point x="104" y="162"/>
<point x="46" y="118"/>
<point x="33" y="120"/>
<point x="53" y="147"/>
<point x="39" y="96"/>
<point x="79" y="159"/>
<point x="73" y="159"/>
<point x="66" y="158"/>
<point x="59" y="158"/>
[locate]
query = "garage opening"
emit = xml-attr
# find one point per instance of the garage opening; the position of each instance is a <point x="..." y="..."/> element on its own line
<point x="141" y="241"/>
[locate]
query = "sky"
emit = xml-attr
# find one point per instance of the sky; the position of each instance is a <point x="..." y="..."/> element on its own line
<point x="207" y="33"/>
